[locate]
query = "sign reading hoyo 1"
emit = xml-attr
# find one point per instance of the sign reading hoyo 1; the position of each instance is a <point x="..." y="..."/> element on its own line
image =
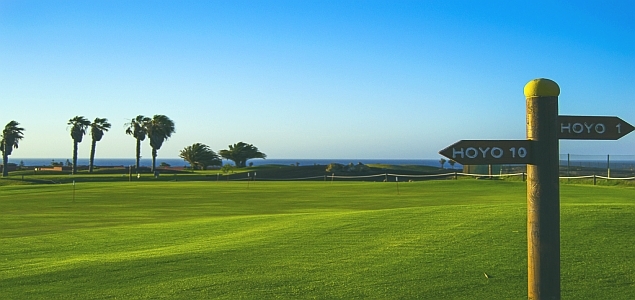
<point x="592" y="128"/>
<point x="540" y="151"/>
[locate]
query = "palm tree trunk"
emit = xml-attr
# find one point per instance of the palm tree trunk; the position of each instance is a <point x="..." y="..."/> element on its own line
<point x="138" y="155"/>
<point x="5" y="161"/>
<point x="74" y="170"/>
<point x="154" y="159"/>
<point x="92" y="156"/>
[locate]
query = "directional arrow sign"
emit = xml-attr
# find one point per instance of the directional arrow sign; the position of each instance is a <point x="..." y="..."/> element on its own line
<point x="592" y="128"/>
<point x="486" y="152"/>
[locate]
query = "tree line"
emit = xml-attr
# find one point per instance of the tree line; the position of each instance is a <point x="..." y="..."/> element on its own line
<point x="157" y="129"/>
<point x="200" y="156"/>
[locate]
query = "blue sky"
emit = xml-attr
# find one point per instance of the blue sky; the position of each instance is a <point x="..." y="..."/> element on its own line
<point x="310" y="79"/>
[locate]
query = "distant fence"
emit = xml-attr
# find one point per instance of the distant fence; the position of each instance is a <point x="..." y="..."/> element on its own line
<point x="390" y="177"/>
<point x="573" y="165"/>
<point x="372" y="177"/>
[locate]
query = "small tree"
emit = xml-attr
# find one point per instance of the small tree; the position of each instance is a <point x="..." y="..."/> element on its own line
<point x="97" y="129"/>
<point x="159" y="129"/>
<point x="452" y="162"/>
<point x="137" y="127"/>
<point x="200" y="156"/>
<point x="240" y="152"/>
<point x="226" y="168"/>
<point x="442" y="161"/>
<point x="11" y="136"/>
<point x="78" y="124"/>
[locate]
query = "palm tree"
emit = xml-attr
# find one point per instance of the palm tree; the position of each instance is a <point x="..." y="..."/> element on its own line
<point x="159" y="129"/>
<point x="241" y="152"/>
<point x="78" y="124"/>
<point x="97" y="129"/>
<point x="452" y="162"/>
<point x="11" y="136"/>
<point x="200" y="156"/>
<point x="137" y="128"/>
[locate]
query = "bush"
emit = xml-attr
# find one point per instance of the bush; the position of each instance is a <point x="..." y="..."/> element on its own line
<point x="350" y="168"/>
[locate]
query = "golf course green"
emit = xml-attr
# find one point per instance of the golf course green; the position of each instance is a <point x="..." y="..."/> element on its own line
<point x="444" y="239"/>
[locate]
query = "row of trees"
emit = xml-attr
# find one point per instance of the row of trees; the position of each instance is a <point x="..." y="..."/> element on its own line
<point x="158" y="129"/>
<point x="79" y="125"/>
<point x="442" y="161"/>
<point x="201" y="156"/>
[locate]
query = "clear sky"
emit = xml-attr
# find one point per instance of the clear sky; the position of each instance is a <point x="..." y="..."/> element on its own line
<point x="310" y="79"/>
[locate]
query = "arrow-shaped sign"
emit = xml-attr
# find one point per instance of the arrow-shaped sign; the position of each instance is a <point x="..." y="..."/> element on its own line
<point x="486" y="152"/>
<point x="592" y="128"/>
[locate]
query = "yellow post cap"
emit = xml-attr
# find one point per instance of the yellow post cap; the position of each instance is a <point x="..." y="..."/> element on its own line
<point x="542" y="87"/>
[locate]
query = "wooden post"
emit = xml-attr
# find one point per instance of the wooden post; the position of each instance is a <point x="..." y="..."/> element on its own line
<point x="543" y="190"/>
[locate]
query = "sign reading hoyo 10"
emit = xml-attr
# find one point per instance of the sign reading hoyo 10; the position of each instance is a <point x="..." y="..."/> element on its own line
<point x="540" y="151"/>
<point x="485" y="152"/>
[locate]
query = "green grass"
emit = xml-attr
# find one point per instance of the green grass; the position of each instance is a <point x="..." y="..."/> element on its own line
<point x="341" y="240"/>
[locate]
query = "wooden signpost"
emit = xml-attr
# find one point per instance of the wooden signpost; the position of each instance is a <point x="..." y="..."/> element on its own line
<point x="540" y="151"/>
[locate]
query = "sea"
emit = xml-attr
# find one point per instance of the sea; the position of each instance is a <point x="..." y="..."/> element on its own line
<point x="178" y="162"/>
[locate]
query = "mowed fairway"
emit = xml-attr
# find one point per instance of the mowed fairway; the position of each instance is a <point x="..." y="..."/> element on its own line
<point x="294" y="240"/>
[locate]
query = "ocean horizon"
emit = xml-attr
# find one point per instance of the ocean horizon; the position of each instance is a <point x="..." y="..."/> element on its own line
<point x="620" y="163"/>
<point x="179" y="162"/>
